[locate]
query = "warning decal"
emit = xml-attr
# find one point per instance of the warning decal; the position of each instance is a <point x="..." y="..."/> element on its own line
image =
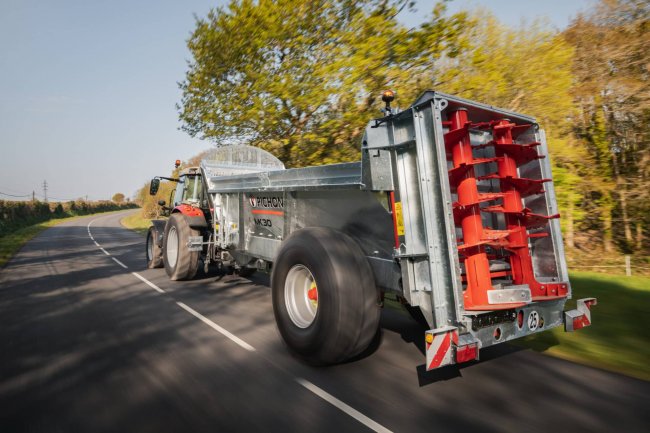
<point x="399" y="219"/>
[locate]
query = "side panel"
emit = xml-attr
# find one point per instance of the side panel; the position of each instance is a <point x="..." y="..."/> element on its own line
<point x="363" y="215"/>
<point x="263" y="214"/>
<point x="267" y="218"/>
<point x="548" y="252"/>
<point x="263" y="219"/>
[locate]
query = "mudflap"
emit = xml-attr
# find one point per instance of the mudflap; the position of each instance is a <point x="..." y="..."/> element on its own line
<point x="159" y="225"/>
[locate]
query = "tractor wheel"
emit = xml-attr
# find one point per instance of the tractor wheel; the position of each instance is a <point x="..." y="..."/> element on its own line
<point x="180" y="262"/>
<point x="154" y="252"/>
<point x="324" y="296"/>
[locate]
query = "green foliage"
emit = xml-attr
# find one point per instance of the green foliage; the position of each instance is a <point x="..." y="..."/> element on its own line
<point x="300" y="78"/>
<point x="149" y="204"/>
<point x="118" y="197"/>
<point x="525" y="69"/>
<point x="18" y="214"/>
<point x="612" y="97"/>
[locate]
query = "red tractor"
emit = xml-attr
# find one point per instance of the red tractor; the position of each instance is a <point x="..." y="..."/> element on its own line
<point x="181" y="241"/>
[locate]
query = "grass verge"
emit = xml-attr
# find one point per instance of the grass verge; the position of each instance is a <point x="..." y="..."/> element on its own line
<point x="12" y="242"/>
<point x="618" y="339"/>
<point x="136" y="223"/>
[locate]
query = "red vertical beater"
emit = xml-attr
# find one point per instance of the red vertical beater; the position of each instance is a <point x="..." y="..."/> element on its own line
<point x="467" y="213"/>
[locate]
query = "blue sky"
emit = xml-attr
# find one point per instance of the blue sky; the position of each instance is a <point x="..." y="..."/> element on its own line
<point x="88" y="88"/>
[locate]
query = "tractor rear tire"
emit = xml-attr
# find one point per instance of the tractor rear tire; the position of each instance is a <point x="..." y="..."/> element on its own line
<point x="325" y="299"/>
<point x="153" y="250"/>
<point x="180" y="262"/>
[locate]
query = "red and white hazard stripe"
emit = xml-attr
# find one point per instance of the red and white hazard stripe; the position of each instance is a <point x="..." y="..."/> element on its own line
<point x="440" y="349"/>
<point x="581" y="316"/>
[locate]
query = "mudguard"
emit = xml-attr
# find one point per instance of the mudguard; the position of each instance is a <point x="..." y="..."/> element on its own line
<point x="193" y="215"/>
<point x="159" y="225"/>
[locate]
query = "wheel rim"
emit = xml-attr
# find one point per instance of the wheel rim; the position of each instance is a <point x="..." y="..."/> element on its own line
<point x="150" y="247"/>
<point x="301" y="296"/>
<point x="172" y="246"/>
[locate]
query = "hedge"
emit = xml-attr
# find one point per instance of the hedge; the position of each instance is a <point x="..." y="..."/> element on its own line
<point x="16" y="214"/>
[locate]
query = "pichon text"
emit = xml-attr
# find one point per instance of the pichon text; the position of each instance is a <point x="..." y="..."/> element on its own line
<point x="267" y="202"/>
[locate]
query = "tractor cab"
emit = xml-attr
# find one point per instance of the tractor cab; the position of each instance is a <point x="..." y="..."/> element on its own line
<point x="190" y="195"/>
<point x="189" y="190"/>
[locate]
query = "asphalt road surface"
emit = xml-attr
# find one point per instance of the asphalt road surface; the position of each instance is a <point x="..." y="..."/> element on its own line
<point x="92" y="341"/>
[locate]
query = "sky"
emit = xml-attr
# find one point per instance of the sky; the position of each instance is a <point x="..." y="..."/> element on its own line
<point x="88" y="88"/>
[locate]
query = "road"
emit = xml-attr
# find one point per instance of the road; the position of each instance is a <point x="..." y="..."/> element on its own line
<point x="92" y="341"/>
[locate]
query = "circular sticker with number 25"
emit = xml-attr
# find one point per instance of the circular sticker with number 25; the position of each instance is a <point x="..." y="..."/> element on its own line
<point x="533" y="320"/>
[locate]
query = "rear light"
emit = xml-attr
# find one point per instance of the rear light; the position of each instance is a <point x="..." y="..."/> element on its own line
<point x="581" y="316"/>
<point x="466" y="353"/>
<point x="445" y="347"/>
<point x="580" y="322"/>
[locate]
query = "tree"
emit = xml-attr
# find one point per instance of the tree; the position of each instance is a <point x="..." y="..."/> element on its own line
<point x="612" y="93"/>
<point x="149" y="204"/>
<point x="300" y="77"/>
<point x="118" y="197"/>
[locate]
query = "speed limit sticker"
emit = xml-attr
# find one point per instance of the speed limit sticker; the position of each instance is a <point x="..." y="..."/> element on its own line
<point x="533" y="320"/>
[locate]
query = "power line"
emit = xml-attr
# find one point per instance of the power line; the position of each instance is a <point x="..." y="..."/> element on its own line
<point x="64" y="199"/>
<point x="45" y="191"/>
<point x="33" y="195"/>
<point x="11" y="190"/>
<point x="14" y="195"/>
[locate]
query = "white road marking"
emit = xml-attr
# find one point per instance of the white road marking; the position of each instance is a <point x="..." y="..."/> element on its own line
<point x="90" y="234"/>
<point x="343" y="407"/>
<point x="148" y="283"/>
<point x="104" y="251"/>
<point x="120" y="263"/>
<point x="216" y="327"/>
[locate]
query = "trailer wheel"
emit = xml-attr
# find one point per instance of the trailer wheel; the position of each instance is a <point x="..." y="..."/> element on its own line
<point x="154" y="252"/>
<point x="324" y="296"/>
<point x="180" y="262"/>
